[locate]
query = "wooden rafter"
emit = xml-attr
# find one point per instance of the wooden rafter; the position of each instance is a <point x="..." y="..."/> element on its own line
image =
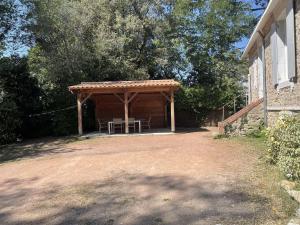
<point x="132" y="97"/>
<point x="118" y="96"/>
<point x="165" y="95"/>
<point x="86" y="98"/>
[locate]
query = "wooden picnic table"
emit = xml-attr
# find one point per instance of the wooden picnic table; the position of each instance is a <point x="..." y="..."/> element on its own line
<point x="110" y="125"/>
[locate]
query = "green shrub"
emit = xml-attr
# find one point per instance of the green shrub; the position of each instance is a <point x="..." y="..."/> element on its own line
<point x="64" y="123"/>
<point x="257" y="130"/>
<point x="9" y="121"/>
<point x="284" y="145"/>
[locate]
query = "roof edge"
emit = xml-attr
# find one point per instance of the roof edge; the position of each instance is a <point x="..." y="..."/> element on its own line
<point x="126" y="84"/>
<point x="272" y="4"/>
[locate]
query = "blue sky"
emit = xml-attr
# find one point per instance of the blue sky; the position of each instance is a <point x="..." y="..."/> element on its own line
<point x="243" y="43"/>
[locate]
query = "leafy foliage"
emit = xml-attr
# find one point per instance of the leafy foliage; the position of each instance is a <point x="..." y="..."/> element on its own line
<point x="14" y="36"/>
<point x="9" y="121"/>
<point x="6" y="18"/>
<point x="19" y="96"/>
<point x="262" y="3"/>
<point x="74" y="41"/>
<point x="284" y="145"/>
<point x="102" y="40"/>
<point x="209" y="31"/>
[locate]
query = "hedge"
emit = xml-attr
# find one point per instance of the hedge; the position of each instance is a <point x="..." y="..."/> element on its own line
<point x="284" y="145"/>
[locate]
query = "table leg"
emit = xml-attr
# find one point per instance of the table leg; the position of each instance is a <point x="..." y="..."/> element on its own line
<point x="140" y="128"/>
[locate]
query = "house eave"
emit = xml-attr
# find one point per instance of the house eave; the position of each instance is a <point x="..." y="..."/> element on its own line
<point x="260" y="25"/>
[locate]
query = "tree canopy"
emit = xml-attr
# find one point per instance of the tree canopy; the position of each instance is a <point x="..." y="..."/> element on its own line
<point x="73" y="41"/>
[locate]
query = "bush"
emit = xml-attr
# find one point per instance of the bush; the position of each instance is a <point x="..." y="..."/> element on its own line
<point x="9" y="121"/>
<point x="284" y="145"/>
<point x="64" y="123"/>
<point x="257" y="130"/>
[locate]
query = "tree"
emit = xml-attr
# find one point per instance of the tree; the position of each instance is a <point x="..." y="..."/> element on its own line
<point x="262" y="3"/>
<point x="104" y="40"/>
<point x="19" y="97"/>
<point x="209" y="31"/>
<point x="101" y="40"/>
<point x="87" y="40"/>
<point x="6" y="18"/>
<point x="14" y="37"/>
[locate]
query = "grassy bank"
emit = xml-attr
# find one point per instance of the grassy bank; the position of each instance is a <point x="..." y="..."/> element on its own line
<point x="266" y="180"/>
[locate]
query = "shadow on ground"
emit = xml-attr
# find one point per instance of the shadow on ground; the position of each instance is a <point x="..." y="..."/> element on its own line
<point x="51" y="146"/>
<point x="33" y="148"/>
<point x="135" y="199"/>
<point x="184" y="130"/>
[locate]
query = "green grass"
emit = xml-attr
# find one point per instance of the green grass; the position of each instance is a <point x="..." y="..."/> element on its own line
<point x="297" y="187"/>
<point x="266" y="178"/>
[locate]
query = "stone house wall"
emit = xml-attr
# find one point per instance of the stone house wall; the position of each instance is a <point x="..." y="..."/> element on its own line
<point x="279" y="100"/>
<point x="288" y="96"/>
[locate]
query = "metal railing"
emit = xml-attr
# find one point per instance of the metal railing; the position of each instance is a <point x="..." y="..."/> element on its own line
<point x="234" y="100"/>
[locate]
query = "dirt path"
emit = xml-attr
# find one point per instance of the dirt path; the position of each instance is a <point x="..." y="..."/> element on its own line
<point x="185" y="178"/>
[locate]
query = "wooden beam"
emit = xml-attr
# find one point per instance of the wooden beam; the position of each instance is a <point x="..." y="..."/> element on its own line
<point x="86" y="98"/>
<point x="126" y="112"/>
<point x="132" y="97"/>
<point x="129" y="90"/>
<point x="166" y="96"/>
<point x="118" y="96"/>
<point x="172" y="112"/>
<point x="79" y="114"/>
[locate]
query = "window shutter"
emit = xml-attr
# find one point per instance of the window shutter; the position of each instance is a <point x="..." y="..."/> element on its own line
<point x="249" y="89"/>
<point x="290" y="39"/>
<point x="255" y="74"/>
<point x="274" y="54"/>
<point x="260" y="71"/>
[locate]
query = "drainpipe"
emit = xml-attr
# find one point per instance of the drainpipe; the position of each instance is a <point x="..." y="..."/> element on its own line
<point x="264" y="80"/>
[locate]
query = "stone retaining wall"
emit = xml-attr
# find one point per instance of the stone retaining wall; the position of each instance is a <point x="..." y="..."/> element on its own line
<point x="248" y="123"/>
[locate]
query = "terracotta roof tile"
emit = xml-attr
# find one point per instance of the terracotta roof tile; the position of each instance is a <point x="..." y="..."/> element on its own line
<point x="125" y="84"/>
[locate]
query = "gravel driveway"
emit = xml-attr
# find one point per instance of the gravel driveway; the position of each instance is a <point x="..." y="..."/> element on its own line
<point x="184" y="178"/>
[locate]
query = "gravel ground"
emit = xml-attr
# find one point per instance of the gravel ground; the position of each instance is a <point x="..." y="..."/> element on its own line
<point x="185" y="178"/>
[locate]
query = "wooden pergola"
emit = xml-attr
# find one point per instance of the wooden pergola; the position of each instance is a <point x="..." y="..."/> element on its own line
<point x="126" y="92"/>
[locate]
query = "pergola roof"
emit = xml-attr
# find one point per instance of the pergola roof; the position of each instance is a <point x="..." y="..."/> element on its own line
<point x="128" y="91"/>
<point x="117" y="85"/>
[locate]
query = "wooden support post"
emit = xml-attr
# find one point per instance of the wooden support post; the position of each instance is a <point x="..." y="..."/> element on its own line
<point x="223" y="113"/>
<point x="126" y="112"/>
<point x="79" y="112"/>
<point x="172" y="112"/>
<point x="234" y="106"/>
